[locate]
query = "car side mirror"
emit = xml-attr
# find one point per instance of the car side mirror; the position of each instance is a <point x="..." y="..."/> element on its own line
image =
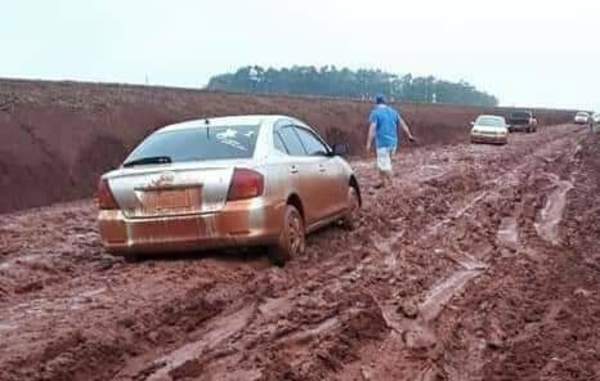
<point x="340" y="149"/>
<point x="472" y="123"/>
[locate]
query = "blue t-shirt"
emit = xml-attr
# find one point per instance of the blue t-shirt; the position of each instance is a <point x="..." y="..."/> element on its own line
<point x="386" y="120"/>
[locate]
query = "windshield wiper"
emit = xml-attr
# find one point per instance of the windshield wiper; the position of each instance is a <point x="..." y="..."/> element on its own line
<point x="148" y="160"/>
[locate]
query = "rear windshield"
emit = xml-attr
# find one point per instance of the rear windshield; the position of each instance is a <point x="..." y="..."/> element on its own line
<point x="582" y="114"/>
<point x="490" y="121"/>
<point x="210" y="143"/>
<point x="522" y="114"/>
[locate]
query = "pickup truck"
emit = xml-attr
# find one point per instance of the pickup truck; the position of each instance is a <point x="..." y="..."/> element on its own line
<point x="522" y="121"/>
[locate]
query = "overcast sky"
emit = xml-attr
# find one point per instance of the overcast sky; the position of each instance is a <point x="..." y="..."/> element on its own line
<point x="526" y="52"/>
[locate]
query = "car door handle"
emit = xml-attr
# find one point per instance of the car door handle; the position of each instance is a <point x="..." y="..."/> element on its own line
<point x="293" y="169"/>
<point x="322" y="168"/>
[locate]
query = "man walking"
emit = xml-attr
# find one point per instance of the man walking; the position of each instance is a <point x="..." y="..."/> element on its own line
<point x="383" y="128"/>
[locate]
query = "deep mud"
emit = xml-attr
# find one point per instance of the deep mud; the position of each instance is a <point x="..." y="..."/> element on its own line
<point x="481" y="263"/>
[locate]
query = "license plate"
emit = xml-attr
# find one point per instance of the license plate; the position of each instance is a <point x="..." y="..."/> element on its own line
<point x="172" y="201"/>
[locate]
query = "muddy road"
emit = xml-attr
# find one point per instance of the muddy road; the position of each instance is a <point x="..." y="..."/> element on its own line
<point x="480" y="264"/>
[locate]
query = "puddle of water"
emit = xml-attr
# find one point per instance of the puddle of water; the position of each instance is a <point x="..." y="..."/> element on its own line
<point x="7" y="326"/>
<point x="89" y="294"/>
<point x="15" y="261"/>
<point x="274" y="306"/>
<point x="550" y="216"/>
<point x="307" y="334"/>
<point x="441" y="294"/>
<point x="508" y="233"/>
<point x="465" y="260"/>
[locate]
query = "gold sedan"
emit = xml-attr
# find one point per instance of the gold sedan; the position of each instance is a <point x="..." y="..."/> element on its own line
<point x="227" y="182"/>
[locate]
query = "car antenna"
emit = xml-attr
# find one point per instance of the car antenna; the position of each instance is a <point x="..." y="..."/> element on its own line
<point x="207" y="124"/>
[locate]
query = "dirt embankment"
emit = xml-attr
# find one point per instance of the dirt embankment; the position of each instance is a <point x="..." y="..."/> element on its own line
<point x="57" y="137"/>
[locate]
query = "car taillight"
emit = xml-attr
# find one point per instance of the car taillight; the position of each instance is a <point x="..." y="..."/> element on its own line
<point x="104" y="197"/>
<point x="245" y="183"/>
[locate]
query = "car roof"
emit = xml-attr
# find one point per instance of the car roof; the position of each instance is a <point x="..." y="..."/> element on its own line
<point x="231" y="121"/>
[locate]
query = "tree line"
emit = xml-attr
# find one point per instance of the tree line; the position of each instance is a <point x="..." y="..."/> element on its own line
<point x="361" y="84"/>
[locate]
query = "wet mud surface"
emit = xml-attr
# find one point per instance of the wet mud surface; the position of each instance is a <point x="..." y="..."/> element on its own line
<point x="480" y="263"/>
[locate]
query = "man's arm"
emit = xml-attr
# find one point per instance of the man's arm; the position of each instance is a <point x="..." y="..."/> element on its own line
<point x="406" y="130"/>
<point x="370" y="136"/>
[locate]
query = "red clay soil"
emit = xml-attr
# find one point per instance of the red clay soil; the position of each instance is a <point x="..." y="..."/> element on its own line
<point x="480" y="263"/>
<point x="56" y="138"/>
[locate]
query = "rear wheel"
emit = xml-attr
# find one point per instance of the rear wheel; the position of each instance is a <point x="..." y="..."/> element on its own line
<point x="292" y="240"/>
<point x="350" y="219"/>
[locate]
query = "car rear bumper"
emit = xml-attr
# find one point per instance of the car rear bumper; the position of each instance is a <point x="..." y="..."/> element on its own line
<point x="240" y="223"/>
<point x="498" y="139"/>
<point x="520" y="127"/>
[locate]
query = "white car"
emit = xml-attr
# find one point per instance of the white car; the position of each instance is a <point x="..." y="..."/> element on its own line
<point x="489" y="129"/>
<point x="596" y="118"/>
<point x="582" y="117"/>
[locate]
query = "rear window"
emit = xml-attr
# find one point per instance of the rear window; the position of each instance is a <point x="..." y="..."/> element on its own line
<point x="520" y="115"/>
<point x="197" y="144"/>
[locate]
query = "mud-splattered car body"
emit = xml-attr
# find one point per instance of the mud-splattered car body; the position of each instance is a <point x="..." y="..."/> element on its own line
<point x="489" y="129"/>
<point x="232" y="188"/>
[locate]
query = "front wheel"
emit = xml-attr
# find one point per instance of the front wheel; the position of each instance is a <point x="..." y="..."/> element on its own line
<point x="292" y="239"/>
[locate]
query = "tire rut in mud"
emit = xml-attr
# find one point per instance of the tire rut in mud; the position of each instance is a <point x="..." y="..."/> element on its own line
<point x="507" y="324"/>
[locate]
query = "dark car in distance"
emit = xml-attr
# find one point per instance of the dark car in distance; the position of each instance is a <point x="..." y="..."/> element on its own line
<point x="522" y="121"/>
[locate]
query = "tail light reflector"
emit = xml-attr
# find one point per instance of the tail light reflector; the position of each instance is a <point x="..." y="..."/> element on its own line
<point x="104" y="197"/>
<point x="245" y="184"/>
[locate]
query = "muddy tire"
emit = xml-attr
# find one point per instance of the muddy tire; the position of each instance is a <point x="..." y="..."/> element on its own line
<point x="292" y="240"/>
<point x="350" y="220"/>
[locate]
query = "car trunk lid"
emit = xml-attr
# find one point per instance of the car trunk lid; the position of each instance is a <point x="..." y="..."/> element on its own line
<point x="173" y="189"/>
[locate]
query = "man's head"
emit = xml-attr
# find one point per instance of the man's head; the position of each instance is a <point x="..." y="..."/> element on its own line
<point x="380" y="99"/>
